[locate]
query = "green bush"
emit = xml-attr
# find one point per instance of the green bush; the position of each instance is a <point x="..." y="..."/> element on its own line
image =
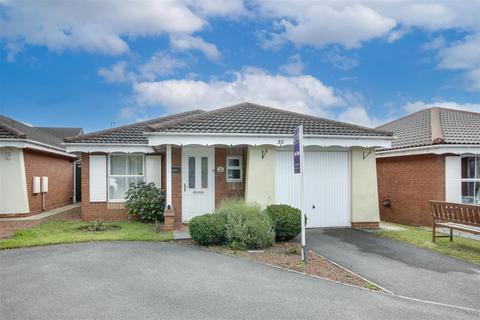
<point x="247" y="226"/>
<point x="286" y="221"/>
<point x="96" y="225"/>
<point x="208" y="229"/>
<point x="145" y="201"/>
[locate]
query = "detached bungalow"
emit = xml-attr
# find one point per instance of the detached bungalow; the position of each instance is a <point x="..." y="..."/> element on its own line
<point x="435" y="156"/>
<point x="36" y="173"/>
<point x="200" y="158"/>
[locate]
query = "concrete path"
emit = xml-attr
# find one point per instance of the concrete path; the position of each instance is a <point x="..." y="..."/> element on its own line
<point x="401" y="268"/>
<point x="151" y="280"/>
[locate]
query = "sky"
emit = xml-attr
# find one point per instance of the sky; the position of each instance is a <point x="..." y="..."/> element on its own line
<point x="98" y="64"/>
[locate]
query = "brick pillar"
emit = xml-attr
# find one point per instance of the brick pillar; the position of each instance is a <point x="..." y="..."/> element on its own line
<point x="169" y="219"/>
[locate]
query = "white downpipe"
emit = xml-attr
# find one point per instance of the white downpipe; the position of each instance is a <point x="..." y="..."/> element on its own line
<point x="169" y="175"/>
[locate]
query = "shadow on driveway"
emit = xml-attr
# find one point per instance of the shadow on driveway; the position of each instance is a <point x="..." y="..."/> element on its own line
<point x="399" y="267"/>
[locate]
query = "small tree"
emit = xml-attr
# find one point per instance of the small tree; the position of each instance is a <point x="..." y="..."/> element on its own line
<point x="146" y="201"/>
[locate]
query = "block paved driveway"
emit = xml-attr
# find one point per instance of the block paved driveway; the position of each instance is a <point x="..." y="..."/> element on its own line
<point x="399" y="267"/>
<point x="148" y="280"/>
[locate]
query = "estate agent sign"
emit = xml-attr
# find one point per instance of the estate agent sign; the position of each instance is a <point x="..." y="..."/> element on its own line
<point x="298" y="168"/>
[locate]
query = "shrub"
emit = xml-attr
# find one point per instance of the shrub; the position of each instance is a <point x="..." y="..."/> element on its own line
<point x="208" y="229"/>
<point x="286" y="221"/>
<point x="145" y="201"/>
<point x="247" y="226"/>
<point x="96" y="225"/>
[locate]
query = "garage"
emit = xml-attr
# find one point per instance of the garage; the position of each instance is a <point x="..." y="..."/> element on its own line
<point x="327" y="186"/>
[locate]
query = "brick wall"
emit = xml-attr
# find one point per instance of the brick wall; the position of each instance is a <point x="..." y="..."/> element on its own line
<point x="96" y="210"/>
<point x="176" y="183"/>
<point x="410" y="182"/>
<point x="59" y="171"/>
<point x="224" y="189"/>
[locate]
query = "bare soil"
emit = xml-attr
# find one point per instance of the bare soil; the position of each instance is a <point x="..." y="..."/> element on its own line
<point x="287" y="255"/>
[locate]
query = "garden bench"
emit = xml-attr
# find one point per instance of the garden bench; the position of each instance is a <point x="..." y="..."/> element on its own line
<point x="458" y="216"/>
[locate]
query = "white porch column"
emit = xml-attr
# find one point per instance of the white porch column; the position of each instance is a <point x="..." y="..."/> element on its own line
<point x="169" y="175"/>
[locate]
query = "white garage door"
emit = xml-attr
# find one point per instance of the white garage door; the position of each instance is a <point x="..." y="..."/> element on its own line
<point x="327" y="186"/>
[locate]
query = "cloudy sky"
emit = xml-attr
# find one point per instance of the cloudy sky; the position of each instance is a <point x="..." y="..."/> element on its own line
<point x="100" y="63"/>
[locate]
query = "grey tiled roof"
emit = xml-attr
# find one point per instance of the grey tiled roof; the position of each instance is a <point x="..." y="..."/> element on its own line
<point x="62" y="132"/>
<point x="435" y="126"/>
<point x="129" y="134"/>
<point x="12" y="129"/>
<point x="251" y="118"/>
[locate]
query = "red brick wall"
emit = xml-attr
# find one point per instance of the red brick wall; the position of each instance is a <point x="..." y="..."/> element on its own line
<point x="410" y="182"/>
<point x="224" y="189"/>
<point x="59" y="171"/>
<point x="96" y="210"/>
<point x="176" y="183"/>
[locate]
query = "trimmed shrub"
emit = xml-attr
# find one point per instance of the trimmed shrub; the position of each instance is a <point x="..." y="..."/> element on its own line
<point x="208" y="229"/>
<point x="247" y="226"/>
<point x="286" y="221"/>
<point x="145" y="201"/>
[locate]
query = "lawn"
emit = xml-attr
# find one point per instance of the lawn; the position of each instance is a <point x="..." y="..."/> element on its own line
<point x="61" y="231"/>
<point x="462" y="248"/>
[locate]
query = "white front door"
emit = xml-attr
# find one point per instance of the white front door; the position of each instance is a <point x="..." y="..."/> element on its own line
<point x="327" y="186"/>
<point x="197" y="182"/>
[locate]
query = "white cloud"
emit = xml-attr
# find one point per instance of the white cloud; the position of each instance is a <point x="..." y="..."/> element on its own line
<point x="435" y="44"/>
<point x="304" y="93"/>
<point x="420" y="105"/>
<point x="102" y="26"/>
<point x="13" y="49"/>
<point x="159" y="65"/>
<point x="359" y="115"/>
<point x="294" y="66"/>
<point x="338" y="60"/>
<point x="186" y="42"/>
<point x="350" y="23"/>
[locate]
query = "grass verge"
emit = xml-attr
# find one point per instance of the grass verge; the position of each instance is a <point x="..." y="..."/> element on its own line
<point x="60" y="231"/>
<point x="462" y="248"/>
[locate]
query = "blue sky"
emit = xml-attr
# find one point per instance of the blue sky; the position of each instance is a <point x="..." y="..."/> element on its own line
<point x="96" y="64"/>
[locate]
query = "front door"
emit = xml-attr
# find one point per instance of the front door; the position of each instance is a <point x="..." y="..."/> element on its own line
<point x="197" y="182"/>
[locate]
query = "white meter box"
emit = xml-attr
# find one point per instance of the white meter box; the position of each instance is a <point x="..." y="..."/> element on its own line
<point x="44" y="184"/>
<point x="36" y="184"/>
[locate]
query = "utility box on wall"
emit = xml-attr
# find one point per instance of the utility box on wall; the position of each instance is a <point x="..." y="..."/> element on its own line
<point x="44" y="184"/>
<point x="36" y="185"/>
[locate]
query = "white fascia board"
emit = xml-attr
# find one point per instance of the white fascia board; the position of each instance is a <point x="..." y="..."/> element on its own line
<point x="155" y="139"/>
<point x="30" y="144"/>
<point x="108" y="148"/>
<point x="434" y="149"/>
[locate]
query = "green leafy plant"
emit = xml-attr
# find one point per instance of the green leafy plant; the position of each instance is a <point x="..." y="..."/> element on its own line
<point x="286" y="221"/>
<point x="96" y="225"/>
<point x="208" y="229"/>
<point x="146" y="201"/>
<point x="247" y="226"/>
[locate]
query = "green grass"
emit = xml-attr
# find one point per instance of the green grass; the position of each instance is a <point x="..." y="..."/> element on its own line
<point x="462" y="248"/>
<point x="59" y="231"/>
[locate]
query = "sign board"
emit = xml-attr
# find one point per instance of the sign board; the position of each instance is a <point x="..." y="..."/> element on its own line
<point x="296" y="150"/>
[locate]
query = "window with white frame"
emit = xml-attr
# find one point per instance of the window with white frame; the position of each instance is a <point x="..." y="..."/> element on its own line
<point x="471" y="179"/>
<point x="234" y="168"/>
<point x="124" y="169"/>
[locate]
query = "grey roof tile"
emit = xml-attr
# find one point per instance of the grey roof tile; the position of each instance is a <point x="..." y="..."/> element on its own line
<point x="12" y="129"/>
<point x="129" y="134"/>
<point x="62" y="132"/>
<point x="251" y="118"/>
<point x="435" y="126"/>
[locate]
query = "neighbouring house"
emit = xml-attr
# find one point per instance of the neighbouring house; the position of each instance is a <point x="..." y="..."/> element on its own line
<point x="201" y="158"/>
<point x="435" y="156"/>
<point x="36" y="173"/>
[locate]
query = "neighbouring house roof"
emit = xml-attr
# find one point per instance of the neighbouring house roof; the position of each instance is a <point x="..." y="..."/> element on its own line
<point x="62" y="132"/>
<point x="435" y="126"/>
<point x="129" y="134"/>
<point x="249" y="118"/>
<point x="12" y="129"/>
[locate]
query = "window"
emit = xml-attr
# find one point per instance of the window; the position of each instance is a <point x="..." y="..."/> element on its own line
<point x="234" y="169"/>
<point x="124" y="170"/>
<point x="471" y="180"/>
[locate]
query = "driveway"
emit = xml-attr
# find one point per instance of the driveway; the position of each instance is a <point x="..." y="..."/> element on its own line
<point x="401" y="268"/>
<point x="151" y="280"/>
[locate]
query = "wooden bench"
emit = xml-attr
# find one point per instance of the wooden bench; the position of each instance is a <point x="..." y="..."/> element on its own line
<point x="458" y="216"/>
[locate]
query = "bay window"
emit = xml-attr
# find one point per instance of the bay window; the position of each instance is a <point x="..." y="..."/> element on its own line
<point x="471" y="179"/>
<point x="124" y="169"/>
